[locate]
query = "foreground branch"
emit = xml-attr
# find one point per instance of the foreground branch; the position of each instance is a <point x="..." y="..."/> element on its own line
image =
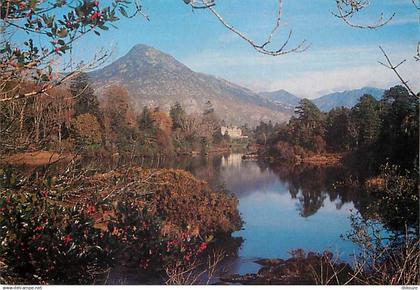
<point x="394" y="69"/>
<point x="97" y="61"/>
<point x="262" y="48"/>
<point x="346" y="9"/>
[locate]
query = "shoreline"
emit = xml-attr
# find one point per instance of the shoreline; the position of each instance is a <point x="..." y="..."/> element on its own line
<point x="320" y="160"/>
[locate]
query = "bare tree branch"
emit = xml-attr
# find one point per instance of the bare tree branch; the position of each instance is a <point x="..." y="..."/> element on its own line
<point x="14" y="70"/>
<point x="416" y="4"/>
<point x="346" y="9"/>
<point x="97" y="60"/>
<point x="262" y="48"/>
<point x="394" y="69"/>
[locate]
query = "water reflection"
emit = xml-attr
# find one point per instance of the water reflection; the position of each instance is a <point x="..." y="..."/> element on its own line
<point x="283" y="207"/>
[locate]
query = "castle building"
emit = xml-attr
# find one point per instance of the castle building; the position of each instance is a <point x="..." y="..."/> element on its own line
<point x="233" y="132"/>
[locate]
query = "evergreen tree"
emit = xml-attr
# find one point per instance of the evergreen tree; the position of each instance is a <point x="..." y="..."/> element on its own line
<point x="145" y="119"/>
<point x="366" y="117"/>
<point x="177" y="113"/>
<point x="86" y="100"/>
<point x="340" y="130"/>
<point x="264" y="132"/>
<point x="210" y="122"/>
<point x="399" y="136"/>
<point x="307" y="129"/>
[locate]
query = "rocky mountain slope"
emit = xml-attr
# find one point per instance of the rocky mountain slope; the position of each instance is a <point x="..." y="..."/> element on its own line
<point x="154" y="78"/>
<point x="281" y="98"/>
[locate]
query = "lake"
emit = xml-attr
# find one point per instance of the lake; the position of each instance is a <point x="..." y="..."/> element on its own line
<point x="283" y="208"/>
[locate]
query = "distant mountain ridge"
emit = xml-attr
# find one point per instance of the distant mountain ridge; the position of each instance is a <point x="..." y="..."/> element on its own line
<point x="325" y="103"/>
<point x="346" y="99"/>
<point x="281" y="97"/>
<point x="154" y="78"/>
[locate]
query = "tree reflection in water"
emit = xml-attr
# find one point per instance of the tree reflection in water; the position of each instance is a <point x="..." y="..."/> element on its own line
<point x="311" y="185"/>
<point x="284" y="207"/>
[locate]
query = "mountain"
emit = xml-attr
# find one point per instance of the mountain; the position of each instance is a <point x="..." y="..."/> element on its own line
<point x="154" y="78"/>
<point x="346" y="99"/>
<point x="282" y="98"/>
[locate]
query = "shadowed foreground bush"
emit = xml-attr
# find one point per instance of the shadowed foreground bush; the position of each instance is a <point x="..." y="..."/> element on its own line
<point x="75" y="230"/>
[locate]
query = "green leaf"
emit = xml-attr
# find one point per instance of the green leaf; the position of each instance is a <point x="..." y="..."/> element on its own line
<point x="80" y="12"/>
<point x="62" y="33"/>
<point x="123" y="12"/>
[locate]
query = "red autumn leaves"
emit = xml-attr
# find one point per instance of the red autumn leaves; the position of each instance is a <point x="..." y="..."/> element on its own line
<point x="66" y="238"/>
<point x="188" y="253"/>
<point x="95" y="15"/>
<point x="91" y="210"/>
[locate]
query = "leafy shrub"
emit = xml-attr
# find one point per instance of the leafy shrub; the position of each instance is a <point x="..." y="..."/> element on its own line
<point x="70" y="231"/>
<point x="384" y="258"/>
<point x="180" y="202"/>
<point x="284" y="151"/>
<point x="9" y="178"/>
<point x="163" y="217"/>
<point x="44" y="242"/>
<point x="397" y="200"/>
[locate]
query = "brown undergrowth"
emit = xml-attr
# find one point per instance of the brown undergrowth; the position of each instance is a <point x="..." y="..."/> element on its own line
<point x="38" y="158"/>
<point x="147" y="219"/>
<point x="183" y="203"/>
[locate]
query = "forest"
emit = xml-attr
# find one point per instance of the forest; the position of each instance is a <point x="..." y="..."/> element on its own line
<point x="73" y="119"/>
<point x="70" y="219"/>
<point x="54" y="217"/>
<point x="376" y="141"/>
<point x="92" y="217"/>
<point x="377" y="132"/>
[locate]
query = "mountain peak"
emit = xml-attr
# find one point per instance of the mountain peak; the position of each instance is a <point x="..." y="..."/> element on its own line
<point x="142" y="61"/>
<point x="282" y="97"/>
<point x="282" y="91"/>
<point x="141" y="46"/>
<point x="154" y="78"/>
<point x="147" y="54"/>
<point x="143" y="49"/>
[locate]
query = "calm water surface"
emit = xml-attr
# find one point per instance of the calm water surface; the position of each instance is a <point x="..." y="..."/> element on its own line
<point x="282" y="208"/>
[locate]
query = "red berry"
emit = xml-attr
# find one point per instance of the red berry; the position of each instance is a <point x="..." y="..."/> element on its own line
<point x="67" y="239"/>
<point x="91" y="209"/>
<point x="39" y="228"/>
<point x="202" y="247"/>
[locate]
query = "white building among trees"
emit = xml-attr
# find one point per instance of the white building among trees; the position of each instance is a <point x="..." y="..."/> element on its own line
<point x="233" y="132"/>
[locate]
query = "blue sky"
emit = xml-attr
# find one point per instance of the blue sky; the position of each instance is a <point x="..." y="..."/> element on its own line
<point x="339" y="57"/>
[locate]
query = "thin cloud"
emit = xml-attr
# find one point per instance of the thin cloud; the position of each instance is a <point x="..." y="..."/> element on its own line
<point x="311" y="73"/>
<point x="214" y="59"/>
<point x="314" y="84"/>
